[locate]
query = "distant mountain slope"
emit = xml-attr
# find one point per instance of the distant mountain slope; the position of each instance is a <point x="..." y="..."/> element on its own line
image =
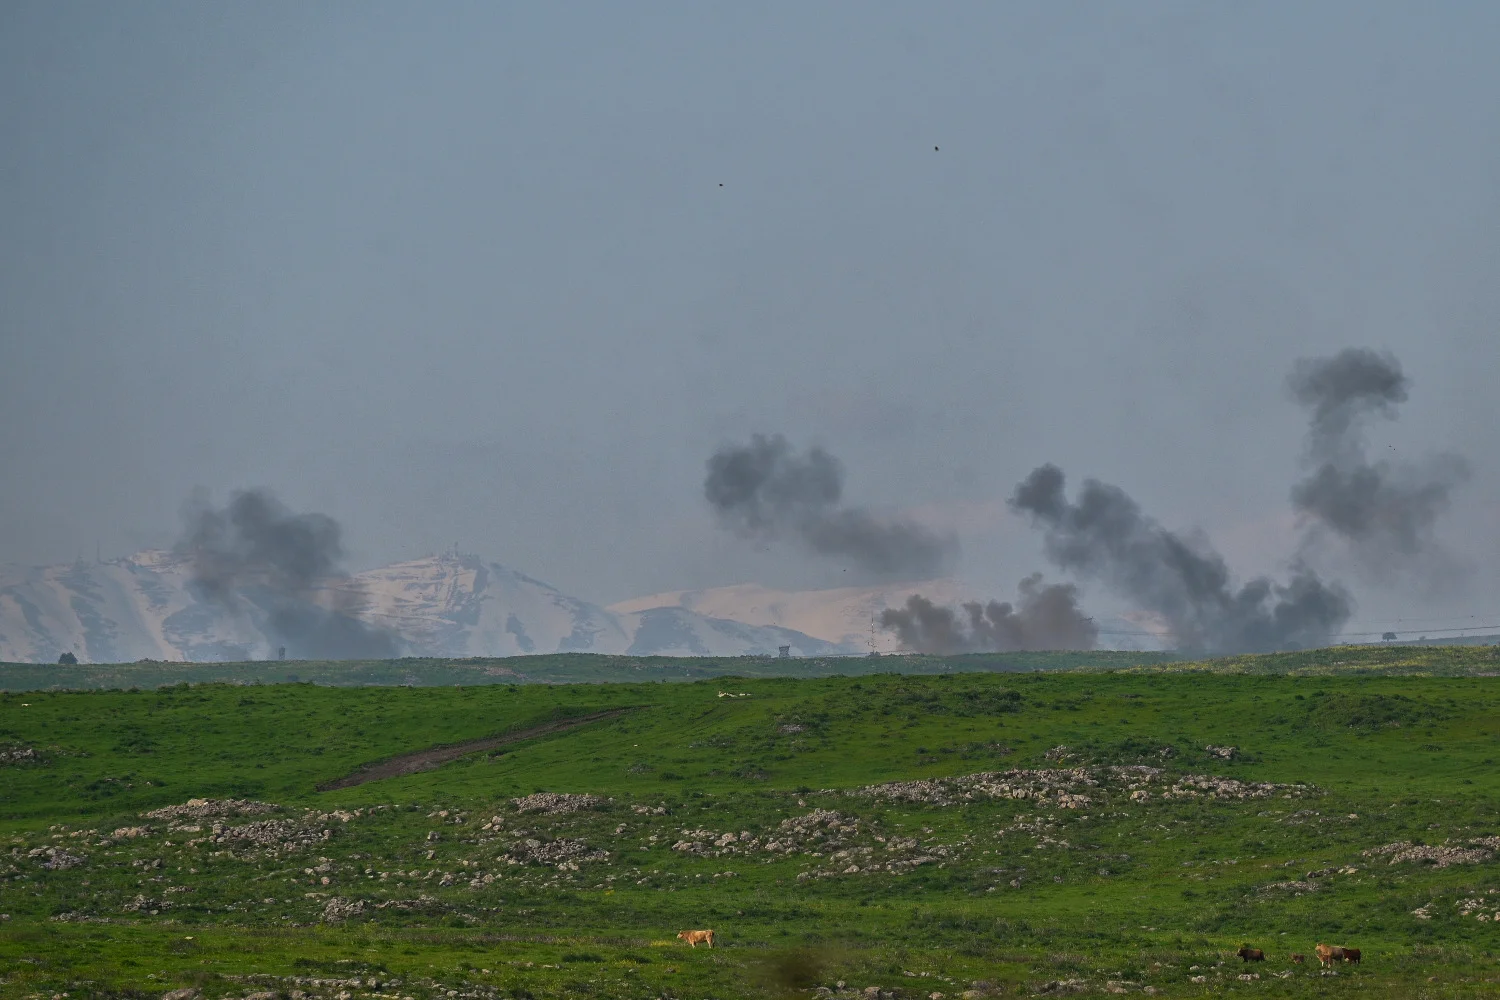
<point x="845" y="615"/>
<point x="679" y="632"/>
<point x="125" y="609"/>
<point x="141" y="607"/>
<point x="842" y="615"/>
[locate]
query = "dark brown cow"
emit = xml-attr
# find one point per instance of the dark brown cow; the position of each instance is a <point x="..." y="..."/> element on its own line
<point x="1351" y="955"/>
<point x="1298" y="959"/>
<point x="1249" y="954"/>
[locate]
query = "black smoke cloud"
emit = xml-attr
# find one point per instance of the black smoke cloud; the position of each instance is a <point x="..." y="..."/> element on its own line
<point x="1048" y="617"/>
<point x="255" y="553"/>
<point x="1106" y="536"/>
<point x="1386" y="512"/>
<point x="765" y="490"/>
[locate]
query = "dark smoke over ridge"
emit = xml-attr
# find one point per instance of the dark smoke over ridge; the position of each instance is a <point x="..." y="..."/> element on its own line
<point x="1386" y="512"/>
<point x="1048" y="618"/>
<point x="765" y="490"/>
<point x="256" y="554"/>
<point x="1106" y="536"/>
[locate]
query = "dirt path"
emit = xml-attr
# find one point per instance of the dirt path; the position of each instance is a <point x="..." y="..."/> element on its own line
<point x="434" y="757"/>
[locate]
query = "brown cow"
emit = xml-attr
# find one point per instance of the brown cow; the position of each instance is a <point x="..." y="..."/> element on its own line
<point x="1328" y="954"/>
<point x="1298" y="959"/>
<point x="1351" y="955"/>
<point x="1249" y="954"/>
<point x="693" y="937"/>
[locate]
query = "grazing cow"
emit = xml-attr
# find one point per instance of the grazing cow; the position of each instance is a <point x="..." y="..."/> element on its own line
<point x="1351" y="955"/>
<point x="1298" y="959"/>
<point x="1328" y="954"/>
<point x="1249" y="954"/>
<point x="693" y="937"/>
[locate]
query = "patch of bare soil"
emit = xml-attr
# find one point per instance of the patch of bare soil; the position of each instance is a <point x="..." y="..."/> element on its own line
<point x="435" y="757"/>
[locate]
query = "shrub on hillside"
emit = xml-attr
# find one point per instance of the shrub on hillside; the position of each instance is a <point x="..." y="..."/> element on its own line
<point x="1370" y="712"/>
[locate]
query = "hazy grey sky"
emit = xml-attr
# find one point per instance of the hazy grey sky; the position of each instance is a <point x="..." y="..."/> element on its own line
<point x="505" y="275"/>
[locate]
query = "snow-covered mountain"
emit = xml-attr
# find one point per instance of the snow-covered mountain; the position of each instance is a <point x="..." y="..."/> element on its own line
<point x="142" y="607"/>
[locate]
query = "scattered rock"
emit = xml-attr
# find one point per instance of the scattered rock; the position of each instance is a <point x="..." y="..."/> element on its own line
<point x="1074" y="788"/>
<point x="1193" y="786"/>
<point x="1480" y="908"/>
<point x="54" y="859"/>
<point x="553" y="803"/>
<point x="73" y="917"/>
<point x="272" y="834"/>
<point x="337" y="909"/>
<point x="1441" y="855"/>
<point x="211" y="808"/>
<point x="143" y="904"/>
<point x="563" y="853"/>
<point x="18" y="755"/>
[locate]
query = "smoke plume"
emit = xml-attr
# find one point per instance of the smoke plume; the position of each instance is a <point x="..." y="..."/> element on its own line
<point x="256" y="554"/>
<point x="767" y="491"/>
<point x="1106" y="536"/>
<point x="1385" y="512"/>
<point x="1048" y="618"/>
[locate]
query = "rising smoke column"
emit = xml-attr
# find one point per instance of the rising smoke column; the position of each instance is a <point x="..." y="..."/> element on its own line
<point x="1106" y="536"/>
<point x="1048" y="618"/>
<point x="255" y="552"/>
<point x="765" y="490"/>
<point x="1385" y="512"/>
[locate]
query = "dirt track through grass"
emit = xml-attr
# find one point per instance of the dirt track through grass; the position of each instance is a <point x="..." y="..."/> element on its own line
<point x="435" y="757"/>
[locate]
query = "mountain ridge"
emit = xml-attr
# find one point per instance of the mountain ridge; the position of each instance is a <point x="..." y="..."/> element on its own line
<point x="145" y="606"/>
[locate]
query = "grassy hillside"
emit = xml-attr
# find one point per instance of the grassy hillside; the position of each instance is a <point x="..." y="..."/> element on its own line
<point x="1394" y="659"/>
<point x="553" y="668"/>
<point x="831" y="830"/>
<point x="591" y="668"/>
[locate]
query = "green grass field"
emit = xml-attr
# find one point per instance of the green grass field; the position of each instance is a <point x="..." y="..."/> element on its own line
<point x="959" y="832"/>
